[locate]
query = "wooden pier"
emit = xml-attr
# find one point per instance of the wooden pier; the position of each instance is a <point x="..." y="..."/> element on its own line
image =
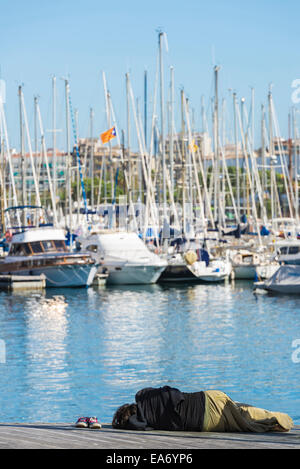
<point x="67" y="436"/>
<point x="22" y="282"/>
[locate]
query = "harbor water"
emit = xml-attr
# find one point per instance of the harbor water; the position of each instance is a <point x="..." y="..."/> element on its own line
<point x="66" y="353"/>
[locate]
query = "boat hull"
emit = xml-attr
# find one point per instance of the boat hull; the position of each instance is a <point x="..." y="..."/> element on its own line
<point x="283" y="289"/>
<point x="186" y="273"/>
<point x="285" y="280"/>
<point x="266" y="271"/>
<point x="212" y="278"/>
<point x="177" y="273"/>
<point x="244" y="272"/>
<point x="69" y="275"/>
<point x="133" y="274"/>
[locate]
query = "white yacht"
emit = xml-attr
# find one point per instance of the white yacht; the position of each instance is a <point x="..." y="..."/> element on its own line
<point x="287" y="251"/>
<point x="124" y="255"/>
<point x="37" y="249"/>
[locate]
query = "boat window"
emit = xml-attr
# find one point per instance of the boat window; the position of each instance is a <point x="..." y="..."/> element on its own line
<point x="36" y="247"/>
<point x="48" y="246"/>
<point x="293" y="250"/>
<point x="20" y="250"/>
<point x="92" y="248"/>
<point x="60" y="245"/>
<point x="26" y="248"/>
<point x="283" y="250"/>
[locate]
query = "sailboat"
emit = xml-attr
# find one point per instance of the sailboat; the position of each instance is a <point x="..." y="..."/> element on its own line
<point x="193" y="264"/>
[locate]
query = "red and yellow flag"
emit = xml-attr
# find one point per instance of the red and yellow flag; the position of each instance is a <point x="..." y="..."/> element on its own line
<point x="108" y="135"/>
<point x="193" y="146"/>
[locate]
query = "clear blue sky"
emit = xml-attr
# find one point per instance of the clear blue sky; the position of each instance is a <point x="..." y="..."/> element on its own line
<point x="255" y="42"/>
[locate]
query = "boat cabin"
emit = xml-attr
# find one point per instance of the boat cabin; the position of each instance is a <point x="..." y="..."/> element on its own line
<point x="289" y="250"/>
<point x="37" y="247"/>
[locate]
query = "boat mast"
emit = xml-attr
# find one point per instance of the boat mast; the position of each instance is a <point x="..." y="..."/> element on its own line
<point x="23" y="163"/>
<point x="2" y="183"/>
<point x="52" y="194"/>
<point x="237" y="160"/>
<point x="69" y="191"/>
<point x="263" y="152"/>
<point x="296" y="150"/>
<point x="8" y="154"/>
<point x="183" y="171"/>
<point x="145" y="105"/>
<point x="128" y="133"/>
<point x="162" y="129"/>
<point x="271" y="151"/>
<point x="92" y="158"/>
<point x="217" y="151"/>
<point x="24" y="113"/>
<point x="54" y="138"/>
<point x="171" y="136"/>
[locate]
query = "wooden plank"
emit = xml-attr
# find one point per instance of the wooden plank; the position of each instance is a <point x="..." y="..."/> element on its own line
<point x="67" y="436"/>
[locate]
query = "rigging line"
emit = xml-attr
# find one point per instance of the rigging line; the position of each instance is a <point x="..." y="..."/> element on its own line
<point x="78" y="157"/>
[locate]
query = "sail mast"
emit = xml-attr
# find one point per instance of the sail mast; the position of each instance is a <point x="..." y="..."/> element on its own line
<point x="237" y="160"/>
<point x="145" y="105"/>
<point x="217" y="151"/>
<point x="69" y="192"/>
<point x="92" y="157"/>
<point x="23" y="163"/>
<point x="171" y="136"/>
<point x="162" y="129"/>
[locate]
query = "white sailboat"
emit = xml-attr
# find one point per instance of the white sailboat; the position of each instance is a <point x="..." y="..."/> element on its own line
<point x="244" y="263"/>
<point x="216" y="271"/>
<point x="195" y="266"/>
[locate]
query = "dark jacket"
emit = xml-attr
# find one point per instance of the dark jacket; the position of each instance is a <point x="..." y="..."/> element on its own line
<point x="167" y="408"/>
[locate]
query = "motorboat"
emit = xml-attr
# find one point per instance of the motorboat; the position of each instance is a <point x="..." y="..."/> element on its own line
<point x="285" y="280"/>
<point x="287" y="251"/>
<point x="37" y="247"/>
<point x="195" y="266"/>
<point x="124" y="256"/>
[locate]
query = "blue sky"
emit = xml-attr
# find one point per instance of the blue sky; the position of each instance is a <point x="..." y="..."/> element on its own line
<point x="256" y="43"/>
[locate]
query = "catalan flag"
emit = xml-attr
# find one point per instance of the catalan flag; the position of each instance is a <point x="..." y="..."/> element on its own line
<point x="193" y="146"/>
<point x="108" y="135"/>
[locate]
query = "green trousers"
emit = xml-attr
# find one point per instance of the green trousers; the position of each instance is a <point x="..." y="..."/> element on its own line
<point x="222" y="414"/>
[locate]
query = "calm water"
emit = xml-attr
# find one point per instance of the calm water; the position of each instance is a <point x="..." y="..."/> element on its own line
<point x="67" y="353"/>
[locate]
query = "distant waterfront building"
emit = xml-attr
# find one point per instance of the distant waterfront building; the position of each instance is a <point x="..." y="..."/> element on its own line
<point x="40" y="169"/>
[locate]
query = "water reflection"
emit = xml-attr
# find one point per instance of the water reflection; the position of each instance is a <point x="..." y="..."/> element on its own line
<point x="85" y="351"/>
<point x="46" y="329"/>
<point x="46" y="377"/>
